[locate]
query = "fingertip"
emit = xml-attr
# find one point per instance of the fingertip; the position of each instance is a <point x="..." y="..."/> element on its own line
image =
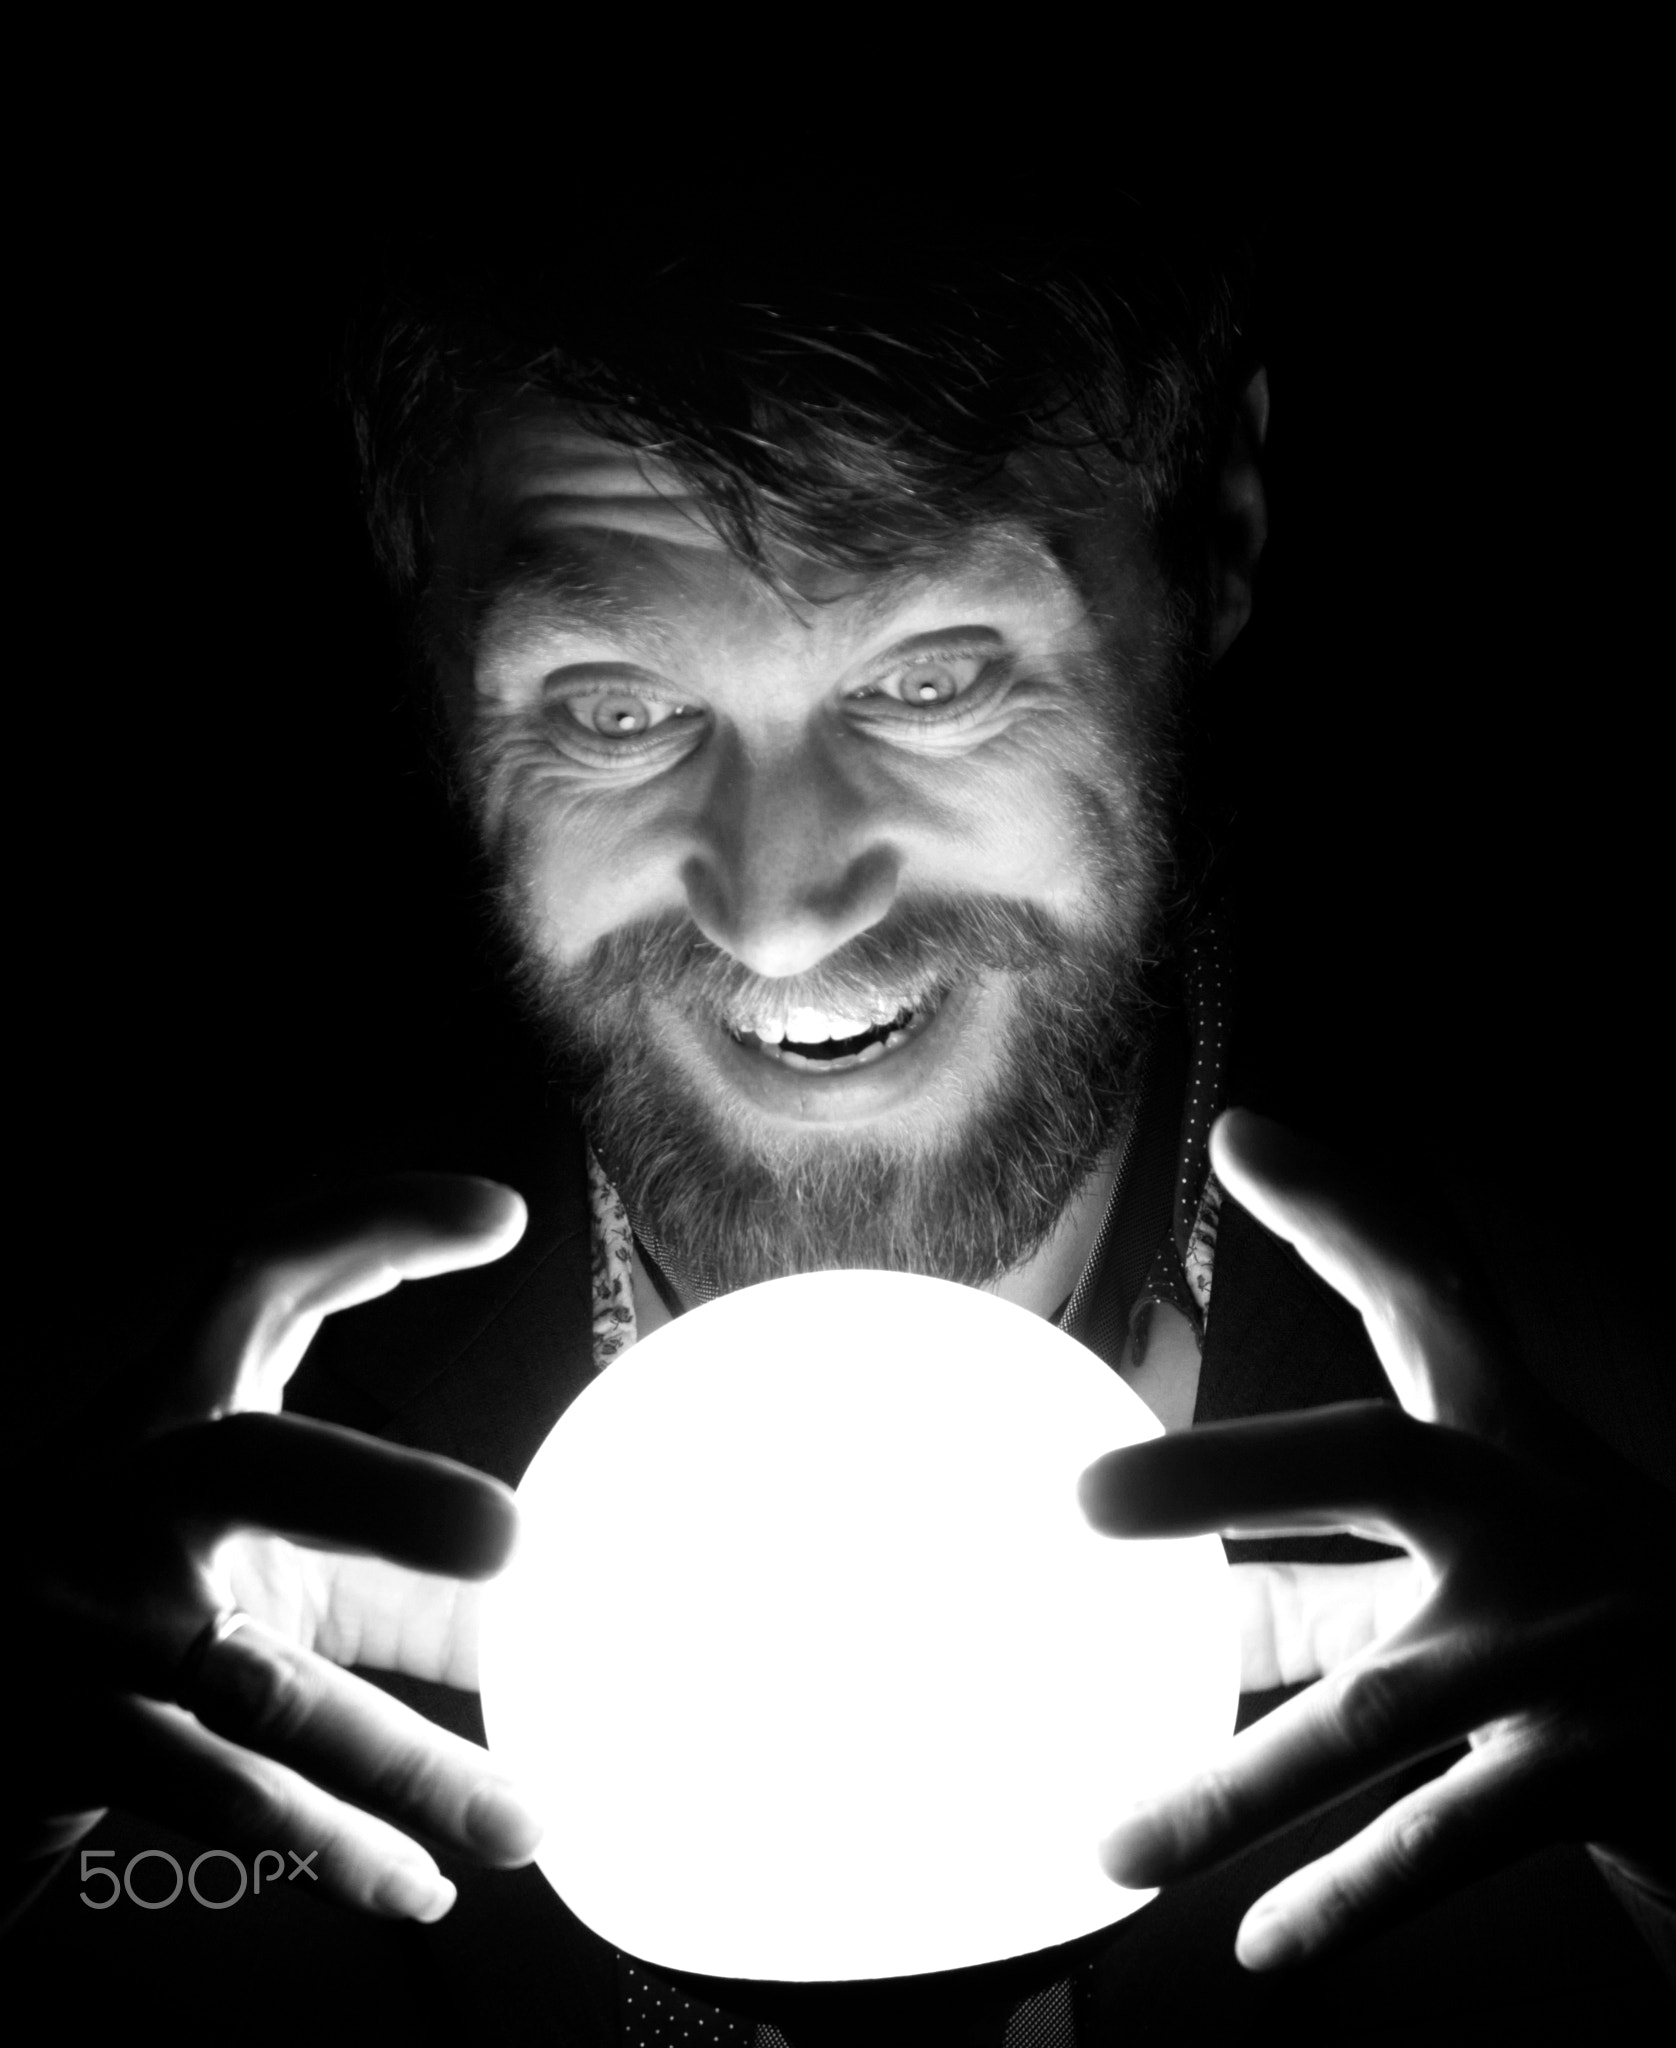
<point x="500" y="1215"/>
<point x="437" y="1515"/>
<point x="1245" y="1145"/>
<point x="1286" y="1181"/>
<point x="458" y="1220"/>
<point x="501" y="1827"/>
<point x="1094" y="1493"/>
<point x="413" y="1891"/>
<point x="489" y="1534"/>
<point x="1266" y="1941"/>
<point x="1233" y="1122"/>
<point x="1130" y="1854"/>
<point x="1125" y="1492"/>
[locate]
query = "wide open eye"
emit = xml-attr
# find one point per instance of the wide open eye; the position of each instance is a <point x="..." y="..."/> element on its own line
<point x="615" y="713"/>
<point x="611" y="715"/>
<point x="929" y="681"/>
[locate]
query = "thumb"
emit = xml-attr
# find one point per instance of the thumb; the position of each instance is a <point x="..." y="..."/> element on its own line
<point x="1433" y="1332"/>
<point x="332" y="1252"/>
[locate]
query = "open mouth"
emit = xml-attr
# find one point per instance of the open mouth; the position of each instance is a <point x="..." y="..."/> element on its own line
<point x="820" y="1043"/>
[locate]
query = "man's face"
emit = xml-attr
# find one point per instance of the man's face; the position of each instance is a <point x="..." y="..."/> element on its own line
<point x="838" y="896"/>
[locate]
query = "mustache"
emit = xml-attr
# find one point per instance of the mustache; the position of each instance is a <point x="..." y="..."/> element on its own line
<point x="924" y="942"/>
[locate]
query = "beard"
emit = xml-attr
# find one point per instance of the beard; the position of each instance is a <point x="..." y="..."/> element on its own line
<point x="723" y="1201"/>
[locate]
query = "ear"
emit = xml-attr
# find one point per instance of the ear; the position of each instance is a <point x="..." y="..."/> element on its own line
<point x="1239" y="519"/>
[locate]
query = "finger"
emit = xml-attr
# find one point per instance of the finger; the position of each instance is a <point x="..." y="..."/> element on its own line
<point x="1300" y="1620"/>
<point x="1409" y="1698"/>
<point x="333" y="1253"/>
<point x="166" y="1768"/>
<point x="264" y="1694"/>
<point x="359" y="1611"/>
<point x="1492" y="1807"/>
<point x="318" y="1483"/>
<point x="1433" y="1330"/>
<point x="1361" y="1465"/>
<point x="385" y="1618"/>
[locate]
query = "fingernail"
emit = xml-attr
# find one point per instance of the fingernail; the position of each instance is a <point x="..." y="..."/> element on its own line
<point x="500" y="1825"/>
<point x="1265" y="1941"/>
<point x="409" y="1892"/>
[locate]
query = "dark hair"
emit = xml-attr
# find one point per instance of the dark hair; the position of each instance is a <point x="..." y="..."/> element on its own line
<point x="854" y="391"/>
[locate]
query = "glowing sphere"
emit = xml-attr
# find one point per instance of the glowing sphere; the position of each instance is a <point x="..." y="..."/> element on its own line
<point x="808" y="1657"/>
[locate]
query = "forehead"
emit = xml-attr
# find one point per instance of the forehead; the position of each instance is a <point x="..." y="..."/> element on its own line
<point x="554" y="519"/>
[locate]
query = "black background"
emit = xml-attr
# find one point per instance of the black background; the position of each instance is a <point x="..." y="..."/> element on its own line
<point x="247" y="942"/>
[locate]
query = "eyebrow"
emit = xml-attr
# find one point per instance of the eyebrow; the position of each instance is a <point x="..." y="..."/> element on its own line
<point x="974" y="555"/>
<point x="541" y="572"/>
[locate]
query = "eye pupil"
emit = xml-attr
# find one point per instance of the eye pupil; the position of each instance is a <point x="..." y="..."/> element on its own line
<point x="621" y="715"/>
<point x="935" y="688"/>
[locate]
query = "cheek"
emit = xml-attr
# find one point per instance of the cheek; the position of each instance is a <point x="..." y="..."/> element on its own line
<point x="581" y="870"/>
<point x="1037" y="824"/>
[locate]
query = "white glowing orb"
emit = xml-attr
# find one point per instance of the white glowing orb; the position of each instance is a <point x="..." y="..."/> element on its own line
<point x="808" y="1657"/>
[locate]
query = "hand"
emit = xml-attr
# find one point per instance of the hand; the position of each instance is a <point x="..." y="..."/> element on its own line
<point x="1536" y="1606"/>
<point x="195" y="1576"/>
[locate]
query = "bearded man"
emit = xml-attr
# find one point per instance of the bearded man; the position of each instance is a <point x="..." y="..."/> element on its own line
<point x="818" y="644"/>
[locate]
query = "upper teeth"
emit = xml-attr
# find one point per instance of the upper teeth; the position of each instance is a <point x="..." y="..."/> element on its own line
<point x="815" y="1027"/>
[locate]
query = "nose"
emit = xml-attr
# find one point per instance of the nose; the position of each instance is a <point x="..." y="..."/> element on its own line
<point x="791" y="859"/>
